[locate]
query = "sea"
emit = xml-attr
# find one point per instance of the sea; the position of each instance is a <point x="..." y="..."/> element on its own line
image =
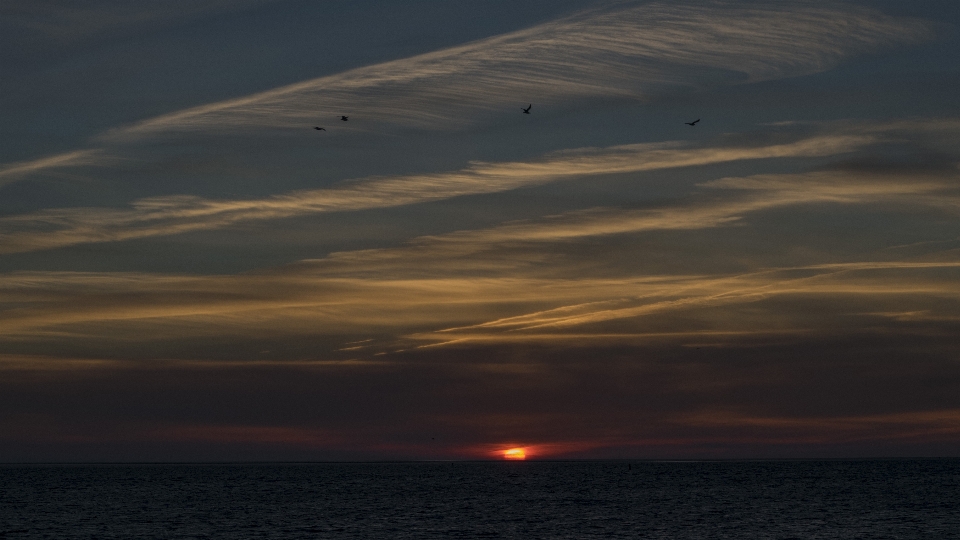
<point x="878" y="499"/>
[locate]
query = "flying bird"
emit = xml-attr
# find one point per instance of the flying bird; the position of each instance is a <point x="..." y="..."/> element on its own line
<point x="319" y="128"/>
<point x="344" y="118"/>
<point x="527" y="110"/>
<point x="692" y="123"/>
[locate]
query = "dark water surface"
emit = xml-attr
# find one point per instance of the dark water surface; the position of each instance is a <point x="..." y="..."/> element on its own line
<point x="688" y="500"/>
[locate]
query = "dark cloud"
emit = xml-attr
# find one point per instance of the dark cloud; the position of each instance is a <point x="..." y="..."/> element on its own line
<point x="787" y="396"/>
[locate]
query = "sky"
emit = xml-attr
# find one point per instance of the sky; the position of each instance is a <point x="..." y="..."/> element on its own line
<point x="189" y="271"/>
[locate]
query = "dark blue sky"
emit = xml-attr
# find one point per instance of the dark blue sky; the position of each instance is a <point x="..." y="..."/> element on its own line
<point x="190" y="271"/>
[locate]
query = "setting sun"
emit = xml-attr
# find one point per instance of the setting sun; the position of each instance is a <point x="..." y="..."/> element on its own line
<point x="515" y="453"/>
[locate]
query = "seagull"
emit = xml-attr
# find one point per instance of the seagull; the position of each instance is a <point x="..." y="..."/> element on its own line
<point x="344" y="118"/>
<point x="694" y="123"/>
<point x="527" y="110"/>
<point x="319" y="128"/>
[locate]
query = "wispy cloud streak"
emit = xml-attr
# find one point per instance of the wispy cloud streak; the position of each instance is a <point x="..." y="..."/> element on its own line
<point x="77" y="158"/>
<point x="627" y="50"/>
<point x="733" y="199"/>
<point x="178" y="214"/>
<point x="419" y="285"/>
<point x="868" y="281"/>
<point x="301" y="301"/>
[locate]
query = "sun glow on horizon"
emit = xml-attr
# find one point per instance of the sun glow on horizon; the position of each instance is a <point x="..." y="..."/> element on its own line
<point x="515" y="453"/>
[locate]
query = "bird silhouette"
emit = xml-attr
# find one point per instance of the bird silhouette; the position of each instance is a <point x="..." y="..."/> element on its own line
<point x="319" y="128"/>
<point x="344" y="118"/>
<point x="527" y="110"/>
<point x="692" y="123"/>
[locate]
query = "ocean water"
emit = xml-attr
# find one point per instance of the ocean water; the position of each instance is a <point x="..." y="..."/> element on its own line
<point x="529" y="500"/>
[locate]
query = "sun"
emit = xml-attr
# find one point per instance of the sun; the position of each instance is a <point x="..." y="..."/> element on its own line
<point x="515" y="453"/>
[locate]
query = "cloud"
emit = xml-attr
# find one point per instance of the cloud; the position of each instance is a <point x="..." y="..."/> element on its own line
<point x="901" y="425"/>
<point x="12" y="172"/>
<point x="871" y="282"/>
<point x="517" y="282"/>
<point x="628" y="49"/>
<point x="116" y="311"/>
<point x="157" y="216"/>
<point x="350" y="284"/>
<point x="735" y="198"/>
